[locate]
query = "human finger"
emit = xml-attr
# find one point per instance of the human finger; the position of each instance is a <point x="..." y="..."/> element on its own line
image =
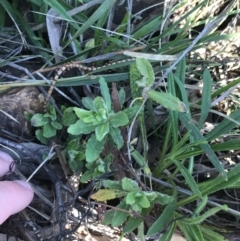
<point x="14" y="197"/>
<point x="5" y="161"/>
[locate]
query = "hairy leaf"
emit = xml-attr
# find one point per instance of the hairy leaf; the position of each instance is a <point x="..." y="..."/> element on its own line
<point x="131" y="224"/>
<point x="68" y="117"/>
<point x="167" y="100"/>
<point x="188" y="178"/>
<point x="163" y="220"/>
<point x="49" y="131"/>
<point x="81" y="113"/>
<point x="105" y="93"/>
<point x="119" y="216"/>
<point x="39" y="120"/>
<point x="94" y="148"/>
<point x="112" y="184"/>
<point x="56" y="125"/>
<point x="129" y="185"/>
<point x="146" y="70"/>
<point x="102" y="130"/>
<point x="80" y="127"/>
<point x="118" y="119"/>
<point x="116" y="135"/>
<point x="88" y="103"/>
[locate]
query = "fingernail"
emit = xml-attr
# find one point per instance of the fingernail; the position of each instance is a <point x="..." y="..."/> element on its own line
<point x="5" y="157"/>
<point x="24" y="184"/>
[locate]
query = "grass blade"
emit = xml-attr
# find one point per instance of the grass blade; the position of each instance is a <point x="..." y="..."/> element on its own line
<point x="206" y="97"/>
<point x="206" y="148"/>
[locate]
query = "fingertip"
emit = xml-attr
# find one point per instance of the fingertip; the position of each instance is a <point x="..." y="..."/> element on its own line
<point x="25" y="185"/>
<point x="5" y="161"/>
<point x="14" y="197"/>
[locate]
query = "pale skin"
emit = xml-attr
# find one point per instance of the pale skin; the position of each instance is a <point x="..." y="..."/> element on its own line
<point x="14" y="195"/>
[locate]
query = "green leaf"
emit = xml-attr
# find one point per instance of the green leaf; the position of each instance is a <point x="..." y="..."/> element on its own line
<point x="224" y="127"/>
<point x="200" y="219"/>
<point x="151" y="196"/>
<point x="40" y="137"/>
<point x="86" y="176"/>
<point x="105" y="93"/>
<point x="140" y="232"/>
<point x="90" y="119"/>
<point x="146" y="70"/>
<point x="108" y="217"/>
<point x="188" y="178"/>
<point x="77" y="155"/>
<point x="74" y="165"/>
<point x="130" y="199"/>
<point x="136" y="207"/>
<point x="39" y="120"/>
<point x="94" y="148"/>
<point x="129" y="185"/>
<point x="102" y="130"/>
<point x="51" y="113"/>
<point x="116" y="135"/>
<point x="201" y="205"/>
<point x="167" y="100"/>
<point x="212" y="186"/>
<point x="56" y="125"/>
<point x="120" y="217"/>
<point x="163" y="199"/>
<point x="68" y="117"/>
<point x="95" y="16"/>
<point x="163" y="220"/>
<point x="192" y="232"/>
<point x="60" y="10"/>
<point x="211" y="235"/>
<point x="138" y="157"/>
<point x="131" y="111"/>
<point x="206" y="97"/>
<point x="88" y="103"/>
<point x="131" y="224"/>
<point x="81" y="113"/>
<point x="112" y="184"/>
<point x="148" y="27"/>
<point x="143" y="202"/>
<point x="167" y="236"/>
<point x="118" y="119"/>
<point x="49" y="131"/>
<point x="99" y="103"/>
<point x="122" y="96"/>
<point x="73" y="144"/>
<point x="81" y="127"/>
<point x="184" y="118"/>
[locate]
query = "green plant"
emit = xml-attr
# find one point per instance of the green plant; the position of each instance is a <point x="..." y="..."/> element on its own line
<point x="102" y="121"/>
<point x="75" y="154"/>
<point x="135" y="200"/>
<point x="179" y="137"/>
<point x="49" y="123"/>
<point x="97" y="168"/>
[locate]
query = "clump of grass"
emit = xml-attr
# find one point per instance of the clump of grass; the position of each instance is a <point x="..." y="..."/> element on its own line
<point x="168" y="42"/>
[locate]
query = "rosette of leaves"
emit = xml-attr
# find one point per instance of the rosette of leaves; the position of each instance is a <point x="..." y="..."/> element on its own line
<point x="101" y="120"/>
<point x="49" y="124"/>
<point x="134" y="199"/>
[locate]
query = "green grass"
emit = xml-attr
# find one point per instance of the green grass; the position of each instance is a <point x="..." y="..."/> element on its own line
<point x="179" y="136"/>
